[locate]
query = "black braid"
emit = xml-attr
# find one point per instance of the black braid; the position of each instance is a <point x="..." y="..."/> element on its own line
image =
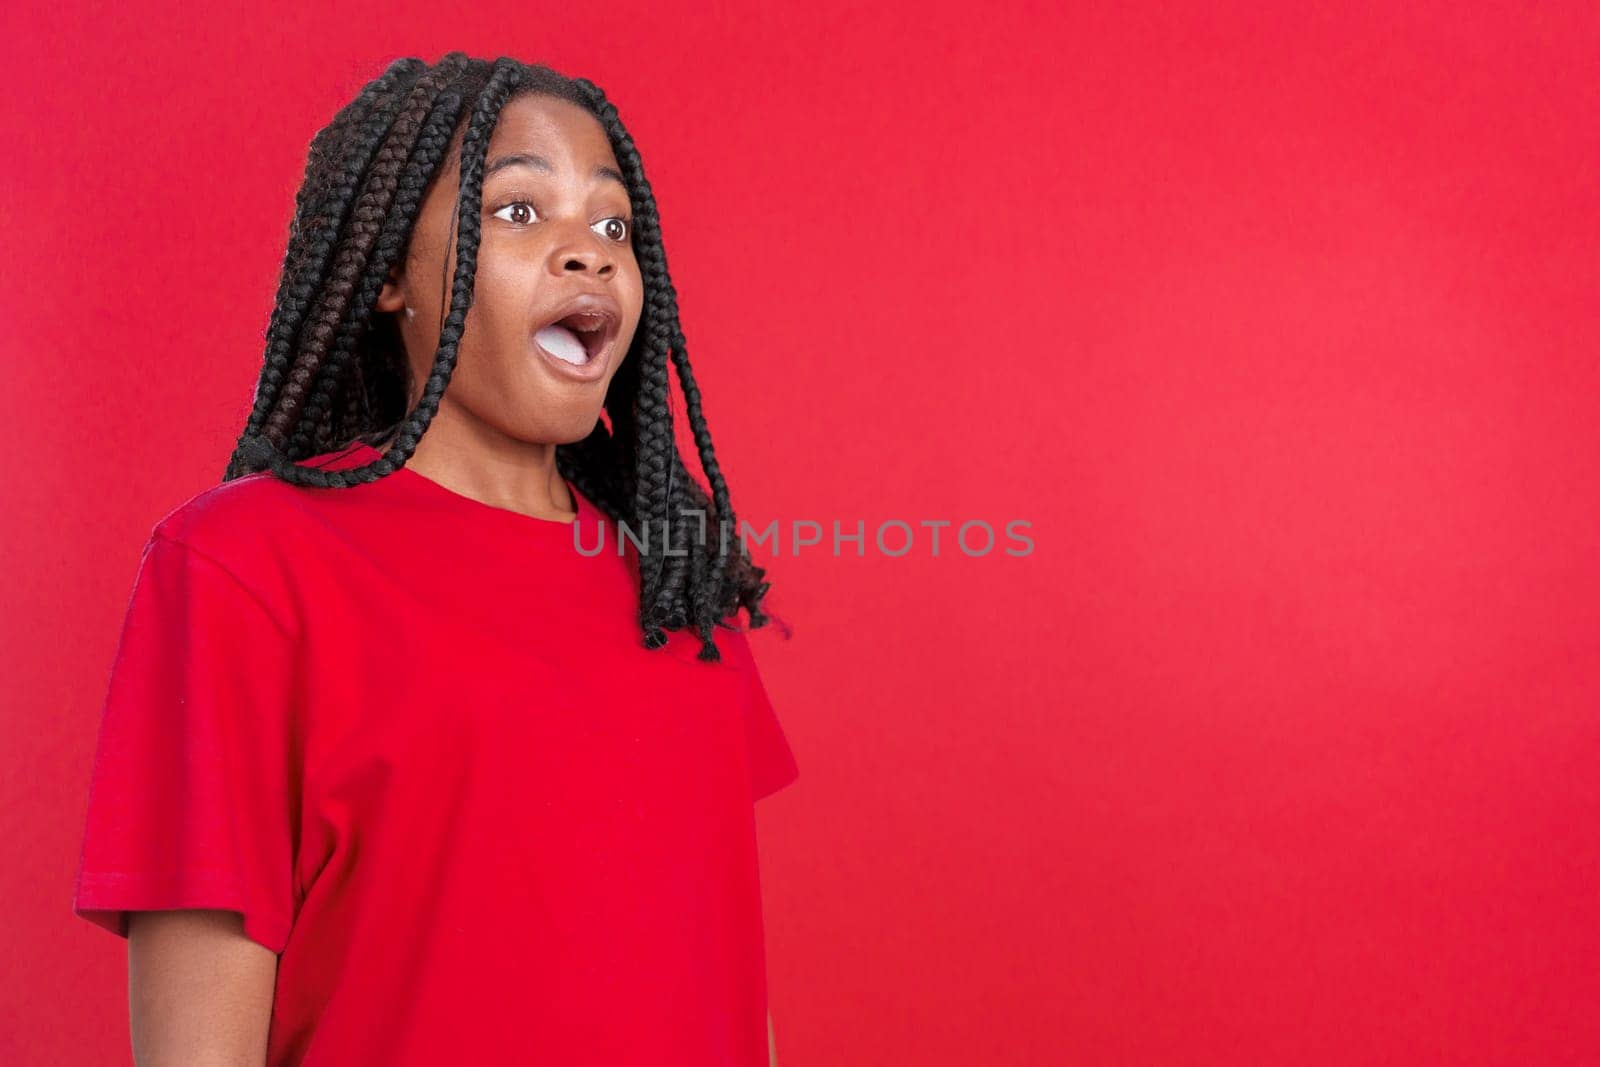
<point x="337" y="157"/>
<point x="335" y="373"/>
<point x="378" y="236"/>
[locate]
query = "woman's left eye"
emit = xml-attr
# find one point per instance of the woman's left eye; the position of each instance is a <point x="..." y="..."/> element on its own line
<point x="622" y="229"/>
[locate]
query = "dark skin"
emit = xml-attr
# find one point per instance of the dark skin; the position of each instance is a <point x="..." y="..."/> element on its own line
<point x="546" y="236"/>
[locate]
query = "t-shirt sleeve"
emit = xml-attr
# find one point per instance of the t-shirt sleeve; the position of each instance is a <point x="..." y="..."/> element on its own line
<point x="772" y="762"/>
<point x="190" y="798"/>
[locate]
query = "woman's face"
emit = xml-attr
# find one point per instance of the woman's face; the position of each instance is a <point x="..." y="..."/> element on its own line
<point x="556" y="225"/>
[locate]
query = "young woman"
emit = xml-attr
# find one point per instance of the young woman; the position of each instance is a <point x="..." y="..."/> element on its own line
<point x="395" y="767"/>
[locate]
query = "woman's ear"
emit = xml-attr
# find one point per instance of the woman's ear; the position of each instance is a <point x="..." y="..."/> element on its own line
<point x="390" y="297"/>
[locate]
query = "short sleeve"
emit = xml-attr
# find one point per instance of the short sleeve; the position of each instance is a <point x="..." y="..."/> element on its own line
<point x="190" y="798"/>
<point x="772" y="762"/>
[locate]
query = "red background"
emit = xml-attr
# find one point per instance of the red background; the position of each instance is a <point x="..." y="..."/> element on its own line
<point x="1278" y="325"/>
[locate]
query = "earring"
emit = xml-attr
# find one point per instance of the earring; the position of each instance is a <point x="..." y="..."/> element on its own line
<point x="411" y="312"/>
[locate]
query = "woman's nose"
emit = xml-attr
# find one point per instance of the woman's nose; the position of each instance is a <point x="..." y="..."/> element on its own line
<point x="583" y="252"/>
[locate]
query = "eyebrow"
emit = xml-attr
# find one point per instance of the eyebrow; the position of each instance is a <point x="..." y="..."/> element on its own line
<point x="528" y="159"/>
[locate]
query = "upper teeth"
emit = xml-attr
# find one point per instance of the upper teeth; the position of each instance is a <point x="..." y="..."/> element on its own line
<point x="587" y="323"/>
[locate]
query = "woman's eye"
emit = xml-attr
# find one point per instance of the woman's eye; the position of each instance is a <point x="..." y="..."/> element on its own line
<point x="526" y="209"/>
<point x="617" y="228"/>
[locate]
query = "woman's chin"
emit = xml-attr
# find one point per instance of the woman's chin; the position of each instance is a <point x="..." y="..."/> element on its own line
<point x="570" y="428"/>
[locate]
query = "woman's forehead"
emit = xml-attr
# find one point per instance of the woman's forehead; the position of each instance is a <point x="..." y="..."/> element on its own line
<point x="532" y="123"/>
<point x="542" y="126"/>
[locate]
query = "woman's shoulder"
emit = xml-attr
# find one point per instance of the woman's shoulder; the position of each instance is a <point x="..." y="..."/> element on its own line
<point x="249" y="520"/>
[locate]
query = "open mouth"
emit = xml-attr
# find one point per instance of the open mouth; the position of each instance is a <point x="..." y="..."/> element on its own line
<point x="579" y="337"/>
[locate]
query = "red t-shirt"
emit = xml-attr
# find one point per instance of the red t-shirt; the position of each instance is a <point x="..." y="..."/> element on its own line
<point x="415" y="740"/>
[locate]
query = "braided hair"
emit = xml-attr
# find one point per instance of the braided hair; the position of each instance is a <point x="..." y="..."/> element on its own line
<point x="334" y="373"/>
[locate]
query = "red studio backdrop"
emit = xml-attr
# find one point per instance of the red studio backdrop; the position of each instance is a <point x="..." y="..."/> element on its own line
<point x="1276" y="323"/>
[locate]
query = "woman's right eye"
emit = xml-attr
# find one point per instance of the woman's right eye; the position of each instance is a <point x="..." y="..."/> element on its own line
<point x="526" y="207"/>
